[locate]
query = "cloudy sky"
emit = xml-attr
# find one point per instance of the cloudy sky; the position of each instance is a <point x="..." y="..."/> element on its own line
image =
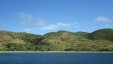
<point x="43" y="16"/>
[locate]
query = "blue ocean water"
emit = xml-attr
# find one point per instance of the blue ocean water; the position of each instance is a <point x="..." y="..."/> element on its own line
<point x="56" y="58"/>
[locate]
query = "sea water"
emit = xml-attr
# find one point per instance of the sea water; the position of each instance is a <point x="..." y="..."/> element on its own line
<point x="56" y="58"/>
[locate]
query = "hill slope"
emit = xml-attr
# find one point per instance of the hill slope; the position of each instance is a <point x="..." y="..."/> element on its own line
<point x="104" y="34"/>
<point x="100" y="40"/>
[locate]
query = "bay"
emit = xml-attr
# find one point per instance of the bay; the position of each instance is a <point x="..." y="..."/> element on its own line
<point x="56" y="58"/>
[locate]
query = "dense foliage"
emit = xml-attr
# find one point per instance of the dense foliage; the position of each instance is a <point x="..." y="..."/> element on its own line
<point x="100" y="40"/>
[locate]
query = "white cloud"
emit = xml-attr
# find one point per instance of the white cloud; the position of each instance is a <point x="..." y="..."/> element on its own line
<point x="25" y="17"/>
<point x="41" y="23"/>
<point x="50" y="27"/>
<point x="59" y="25"/>
<point x="27" y="29"/>
<point x="29" y="22"/>
<point x="103" y="19"/>
<point x="63" y="24"/>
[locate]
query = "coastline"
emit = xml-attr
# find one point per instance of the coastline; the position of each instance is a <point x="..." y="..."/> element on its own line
<point x="56" y="51"/>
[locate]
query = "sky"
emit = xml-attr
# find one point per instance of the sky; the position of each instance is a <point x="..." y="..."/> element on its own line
<point x="43" y="16"/>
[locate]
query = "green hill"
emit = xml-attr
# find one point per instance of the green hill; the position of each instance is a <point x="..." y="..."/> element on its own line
<point x="16" y="41"/>
<point x="104" y="34"/>
<point x="100" y="40"/>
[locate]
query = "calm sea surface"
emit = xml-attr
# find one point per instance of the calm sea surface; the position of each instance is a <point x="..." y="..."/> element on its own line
<point x="56" y="58"/>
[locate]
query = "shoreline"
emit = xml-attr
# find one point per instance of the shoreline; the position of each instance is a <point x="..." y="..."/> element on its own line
<point x="56" y="51"/>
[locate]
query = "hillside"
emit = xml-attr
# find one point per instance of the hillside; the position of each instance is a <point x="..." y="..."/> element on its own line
<point x="99" y="40"/>
<point x="105" y="34"/>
